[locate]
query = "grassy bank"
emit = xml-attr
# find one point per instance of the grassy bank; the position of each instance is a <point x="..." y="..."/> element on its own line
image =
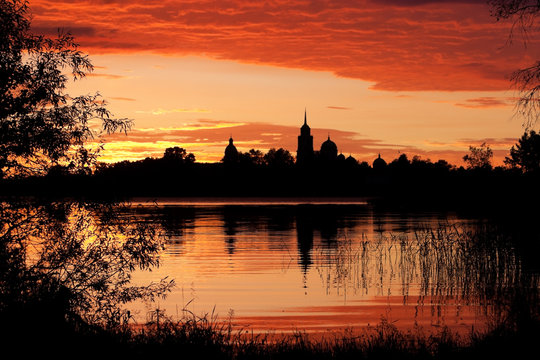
<point x="204" y="337"/>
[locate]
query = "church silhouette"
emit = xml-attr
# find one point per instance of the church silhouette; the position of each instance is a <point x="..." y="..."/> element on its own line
<point x="305" y="154"/>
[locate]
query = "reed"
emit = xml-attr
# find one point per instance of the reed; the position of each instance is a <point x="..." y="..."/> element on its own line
<point x="205" y="336"/>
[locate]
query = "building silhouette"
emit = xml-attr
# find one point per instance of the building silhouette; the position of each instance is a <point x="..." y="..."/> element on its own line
<point x="304" y="153"/>
<point x="379" y="163"/>
<point x="329" y="151"/>
<point x="231" y="154"/>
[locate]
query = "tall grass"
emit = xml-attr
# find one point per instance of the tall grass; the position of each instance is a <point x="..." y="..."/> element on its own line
<point x="206" y="337"/>
<point x="474" y="265"/>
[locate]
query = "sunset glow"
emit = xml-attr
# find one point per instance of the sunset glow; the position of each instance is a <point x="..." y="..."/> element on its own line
<point x="426" y="78"/>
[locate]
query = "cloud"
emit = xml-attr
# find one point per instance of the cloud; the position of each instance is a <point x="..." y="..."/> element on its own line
<point x="106" y="76"/>
<point x="172" y="111"/>
<point x="120" y="98"/>
<point x="486" y="102"/>
<point x="504" y="143"/>
<point x="338" y="108"/>
<point x="53" y="30"/>
<point x="395" y="45"/>
<point x="424" y="2"/>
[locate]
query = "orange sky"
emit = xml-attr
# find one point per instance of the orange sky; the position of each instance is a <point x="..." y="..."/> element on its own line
<point x="423" y="77"/>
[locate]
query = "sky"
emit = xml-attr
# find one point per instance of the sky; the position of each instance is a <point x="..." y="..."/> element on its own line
<point x="420" y="77"/>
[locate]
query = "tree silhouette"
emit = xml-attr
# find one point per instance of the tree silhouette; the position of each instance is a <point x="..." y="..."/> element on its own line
<point x="41" y="125"/>
<point x="279" y="158"/>
<point x="70" y="262"/>
<point x="65" y="264"/>
<point x="401" y="163"/>
<point x="252" y="158"/>
<point x="525" y="155"/>
<point x="524" y="14"/>
<point x="178" y="155"/>
<point x="479" y="157"/>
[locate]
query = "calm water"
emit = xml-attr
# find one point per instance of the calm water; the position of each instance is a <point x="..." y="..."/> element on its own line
<point x="286" y="265"/>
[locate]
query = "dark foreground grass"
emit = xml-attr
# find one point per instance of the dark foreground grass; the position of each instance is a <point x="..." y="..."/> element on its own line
<point x="207" y="338"/>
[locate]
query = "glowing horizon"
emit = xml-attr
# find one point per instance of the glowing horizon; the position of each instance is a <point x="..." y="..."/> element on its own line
<point x="423" y="78"/>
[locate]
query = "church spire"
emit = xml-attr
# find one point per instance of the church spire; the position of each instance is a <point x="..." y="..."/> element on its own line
<point x="304" y="154"/>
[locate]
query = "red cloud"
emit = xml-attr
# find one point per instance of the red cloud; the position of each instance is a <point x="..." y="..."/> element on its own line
<point x="486" y="102"/>
<point x="106" y="76"/>
<point x="338" y="108"/>
<point x="397" y="45"/>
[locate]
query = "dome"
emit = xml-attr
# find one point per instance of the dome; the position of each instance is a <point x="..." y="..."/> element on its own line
<point x="231" y="154"/>
<point x="379" y="163"/>
<point x="329" y="150"/>
<point x="351" y="160"/>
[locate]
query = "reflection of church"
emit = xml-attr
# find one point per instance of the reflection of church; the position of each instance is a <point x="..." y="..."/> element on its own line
<point x="305" y="153"/>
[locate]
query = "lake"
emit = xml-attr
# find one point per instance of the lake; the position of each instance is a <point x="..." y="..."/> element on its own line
<point x="306" y="264"/>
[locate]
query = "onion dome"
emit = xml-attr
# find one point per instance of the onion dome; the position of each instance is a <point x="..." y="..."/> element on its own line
<point x="351" y="160"/>
<point x="231" y="154"/>
<point x="329" y="150"/>
<point x="379" y="163"/>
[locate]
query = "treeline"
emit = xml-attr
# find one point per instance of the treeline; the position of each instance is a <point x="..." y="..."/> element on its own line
<point x="275" y="173"/>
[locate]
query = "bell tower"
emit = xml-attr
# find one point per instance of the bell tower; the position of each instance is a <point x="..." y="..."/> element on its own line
<point x="304" y="153"/>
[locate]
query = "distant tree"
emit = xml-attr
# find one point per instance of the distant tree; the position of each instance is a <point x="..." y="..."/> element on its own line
<point x="479" y="157"/>
<point x="364" y="166"/>
<point x="421" y="165"/>
<point x="525" y="155"/>
<point x="401" y="163"/>
<point x="41" y="125"/>
<point x="279" y="158"/>
<point x="443" y="165"/>
<point x="417" y="160"/>
<point x="178" y="155"/>
<point x="525" y="15"/>
<point x="252" y="158"/>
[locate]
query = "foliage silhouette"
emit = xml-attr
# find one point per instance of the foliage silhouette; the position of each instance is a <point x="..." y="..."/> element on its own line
<point x="41" y="125"/>
<point x="525" y="155"/>
<point x="279" y="158"/>
<point x="66" y="269"/>
<point x="479" y="157"/>
<point x="419" y="181"/>
<point x="64" y="265"/>
<point x="253" y="158"/>
<point x="178" y="155"/>
<point x="524" y="15"/>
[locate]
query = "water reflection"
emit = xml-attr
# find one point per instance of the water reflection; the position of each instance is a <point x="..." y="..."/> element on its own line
<point x="290" y="263"/>
<point x="304" y="236"/>
<point x="229" y="226"/>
